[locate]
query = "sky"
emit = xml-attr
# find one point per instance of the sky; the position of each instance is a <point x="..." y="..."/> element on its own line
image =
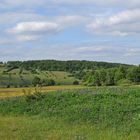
<point x="98" y="30"/>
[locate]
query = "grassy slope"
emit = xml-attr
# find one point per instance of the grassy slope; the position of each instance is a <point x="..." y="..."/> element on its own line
<point x="26" y="77"/>
<point x="104" y="114"/>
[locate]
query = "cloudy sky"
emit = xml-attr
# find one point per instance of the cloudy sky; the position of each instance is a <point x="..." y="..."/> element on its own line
<point x="101" y="30"/>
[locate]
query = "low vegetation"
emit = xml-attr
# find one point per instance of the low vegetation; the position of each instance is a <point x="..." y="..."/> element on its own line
<point x="101" y="113"/>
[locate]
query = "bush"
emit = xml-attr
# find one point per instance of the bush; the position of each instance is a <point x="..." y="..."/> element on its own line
<point x="48" y="82"/>
<point x="8" y="86"/>
<point x="36" y="81"/>
<point x="76" y="82"/>
<point x="33" y="96"/>
<point x="124" y="82"/>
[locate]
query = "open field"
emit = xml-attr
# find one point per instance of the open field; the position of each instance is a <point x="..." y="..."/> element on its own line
<point x="12" y="92"/>
<point x="36" y="128"/>
<point x="107" y="113"/>
<point x="16" y="78"/>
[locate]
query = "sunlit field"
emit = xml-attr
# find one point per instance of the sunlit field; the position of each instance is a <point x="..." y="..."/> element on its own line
<point x="11" y="92"/>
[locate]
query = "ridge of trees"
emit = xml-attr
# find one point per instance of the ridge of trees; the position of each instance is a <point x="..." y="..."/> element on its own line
<point x="56" y="65"/>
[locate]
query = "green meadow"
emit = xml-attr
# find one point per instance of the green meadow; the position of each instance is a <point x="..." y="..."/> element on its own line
<point x="107" y="113"/>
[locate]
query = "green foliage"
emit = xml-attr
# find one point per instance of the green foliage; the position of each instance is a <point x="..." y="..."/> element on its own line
<point x="52" y="72"/>
<point x="114" y="76"/>
<point x="24" y="78"/>
<point x="124" y="82"/>
<point x="120" y="74"/>
<point x="110" y="74"/>
<point x="102" y="77"/>
<point x="36" y="81"/>
<point x="134" y="74"/>
<point x="48" y="82"/>
<point x="116" y="108"/>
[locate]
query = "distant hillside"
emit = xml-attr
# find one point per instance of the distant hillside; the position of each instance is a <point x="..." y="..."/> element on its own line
<point x="56" y="65"/>
<point x="48" y="72"/>
<point x="17" y="77"/>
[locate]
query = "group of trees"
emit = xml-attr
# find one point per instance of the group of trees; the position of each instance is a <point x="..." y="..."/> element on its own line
<point x="45" y="82"/>
<point x="113" y="76"/>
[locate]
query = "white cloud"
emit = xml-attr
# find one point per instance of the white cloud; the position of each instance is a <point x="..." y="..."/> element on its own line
<point x="23" y="38"/>
<point x="14" y="17"/>
<point x="24" y="27"/>
<point x="123" y="23"/>
<point x="33" y="30"/>
<point x="54" y="24"/>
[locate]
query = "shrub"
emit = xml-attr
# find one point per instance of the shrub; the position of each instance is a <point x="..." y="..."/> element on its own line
<point x="36" y="81"/>
<point x="48" y="82"/>
<point x="124" y="82"/>
<point x="76" y="82"/>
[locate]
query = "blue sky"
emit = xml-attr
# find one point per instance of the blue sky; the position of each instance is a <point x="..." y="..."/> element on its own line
<point x="95" y="30"/>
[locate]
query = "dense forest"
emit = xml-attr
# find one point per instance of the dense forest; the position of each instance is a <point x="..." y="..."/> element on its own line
<point x="55" y="65"/>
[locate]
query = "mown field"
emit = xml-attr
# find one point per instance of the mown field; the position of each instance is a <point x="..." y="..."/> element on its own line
<point x="107" y="113"/>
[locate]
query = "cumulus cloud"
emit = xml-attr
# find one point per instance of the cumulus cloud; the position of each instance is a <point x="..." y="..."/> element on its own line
<point x="24" y="27"/>
<point x="33" y="30"/>
<point x="123" y="23"/>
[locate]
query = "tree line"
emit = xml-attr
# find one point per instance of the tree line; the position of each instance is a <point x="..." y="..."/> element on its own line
<point x="55" y="65"/>
<point x="113" y="76"/>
